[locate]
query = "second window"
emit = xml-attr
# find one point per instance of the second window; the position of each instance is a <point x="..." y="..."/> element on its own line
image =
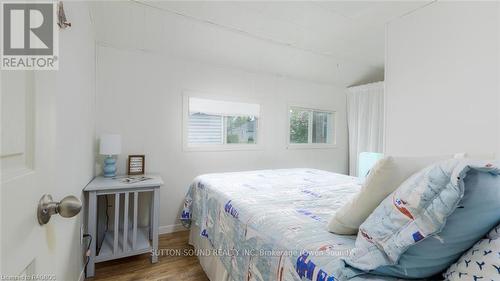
<point x="311" y="126"/>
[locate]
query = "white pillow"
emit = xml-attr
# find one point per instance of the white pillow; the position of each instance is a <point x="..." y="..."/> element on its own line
<point x="481" y="262"/>
<point x="494" y="233"/>
<point x="385" y="177"/>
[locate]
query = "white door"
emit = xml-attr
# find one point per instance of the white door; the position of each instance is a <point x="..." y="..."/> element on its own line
<point x="27" y="161"/>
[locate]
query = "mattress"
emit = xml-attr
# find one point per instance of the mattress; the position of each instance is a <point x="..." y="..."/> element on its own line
<point x="269" y="225"/>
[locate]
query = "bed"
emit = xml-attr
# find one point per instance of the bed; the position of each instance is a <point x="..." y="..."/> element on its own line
<point x="269" y="225"/>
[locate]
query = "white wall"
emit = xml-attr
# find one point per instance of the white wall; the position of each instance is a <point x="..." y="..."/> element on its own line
<point x="498" y="85"/>
<point x="442" y="69"/>
<point x="139" y="95"/>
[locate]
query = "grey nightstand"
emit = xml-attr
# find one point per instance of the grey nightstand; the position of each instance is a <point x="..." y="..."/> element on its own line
<point x="126" y="238"/>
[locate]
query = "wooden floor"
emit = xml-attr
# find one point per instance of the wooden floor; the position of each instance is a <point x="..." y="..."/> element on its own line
<point x="169" y="267"/>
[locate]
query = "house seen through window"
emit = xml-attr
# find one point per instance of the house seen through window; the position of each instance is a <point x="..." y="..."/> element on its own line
<point x="215" y="122"/>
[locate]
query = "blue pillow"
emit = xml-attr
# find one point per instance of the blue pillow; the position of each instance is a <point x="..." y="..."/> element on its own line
<point x="478" y="212"/>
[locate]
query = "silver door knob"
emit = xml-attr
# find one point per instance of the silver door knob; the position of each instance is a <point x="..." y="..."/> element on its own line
<point x="69" y="207"/>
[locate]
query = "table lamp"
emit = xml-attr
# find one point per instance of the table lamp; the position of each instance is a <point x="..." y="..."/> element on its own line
<point x="110" y="145"/>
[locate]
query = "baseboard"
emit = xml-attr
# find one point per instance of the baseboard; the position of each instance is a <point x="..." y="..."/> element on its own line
<point x="171" y="228"/>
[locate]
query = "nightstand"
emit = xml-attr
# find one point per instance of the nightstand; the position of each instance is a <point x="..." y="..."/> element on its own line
<point x="127" y="237"/>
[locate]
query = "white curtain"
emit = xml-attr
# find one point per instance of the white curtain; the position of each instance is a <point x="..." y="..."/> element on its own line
<point x="365" y="121"/>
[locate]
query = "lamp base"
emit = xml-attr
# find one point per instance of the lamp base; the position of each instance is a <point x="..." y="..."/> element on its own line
<point x="109" y="167"/>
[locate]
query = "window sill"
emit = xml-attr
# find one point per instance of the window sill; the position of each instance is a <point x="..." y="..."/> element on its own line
<point x="222" y="147"/>
<point x="311" y="146"/>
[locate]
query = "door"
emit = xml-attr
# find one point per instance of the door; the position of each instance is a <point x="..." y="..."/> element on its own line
<point x="27" y="161"/>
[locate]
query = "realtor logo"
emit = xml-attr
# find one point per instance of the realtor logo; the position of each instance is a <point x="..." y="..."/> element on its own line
<point x="30" y="36"/>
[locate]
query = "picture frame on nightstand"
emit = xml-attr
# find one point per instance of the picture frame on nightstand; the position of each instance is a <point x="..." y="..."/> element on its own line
<point x="136" y="165"/>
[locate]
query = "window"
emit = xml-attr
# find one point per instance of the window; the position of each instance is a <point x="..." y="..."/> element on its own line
<point x="309" y="126"/>
<point x="214" y="122"/>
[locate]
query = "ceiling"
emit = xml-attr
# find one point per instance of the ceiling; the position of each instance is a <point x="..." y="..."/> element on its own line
<point x="340" y="42"/>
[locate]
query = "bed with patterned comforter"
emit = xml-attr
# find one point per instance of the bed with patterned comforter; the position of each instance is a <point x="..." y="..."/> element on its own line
<point x="272" y="224"/>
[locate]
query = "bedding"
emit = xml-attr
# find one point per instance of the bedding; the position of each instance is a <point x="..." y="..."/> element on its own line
<point x="481" y="262"/>
<point x="477" y="212"/>
<point x="216" y="271"/>
<point x="418" y="210"/>
<point x="494" y="233"/>
<point x="272" y="225"/>
<point x="385" y="177"/>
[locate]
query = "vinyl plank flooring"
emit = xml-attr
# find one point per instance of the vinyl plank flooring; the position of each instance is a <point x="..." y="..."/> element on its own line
<point x="168" y="268"/>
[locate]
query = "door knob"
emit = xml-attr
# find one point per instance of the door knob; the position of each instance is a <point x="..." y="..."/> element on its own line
<point x="69" y="207"/>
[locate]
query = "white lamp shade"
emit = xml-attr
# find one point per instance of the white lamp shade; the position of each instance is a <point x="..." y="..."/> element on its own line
<point x="110" y="144"/>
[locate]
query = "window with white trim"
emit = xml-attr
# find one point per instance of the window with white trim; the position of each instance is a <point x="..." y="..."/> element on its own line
<point x="311" y="126"/>
<point x="215" y="122"/>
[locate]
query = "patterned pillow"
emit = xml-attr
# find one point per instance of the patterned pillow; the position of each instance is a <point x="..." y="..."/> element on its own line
<point x="416" y="211"/>
<point x="479" y="263"/>
<point x="494" y="233"/>
<point x="477" y="214"/>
